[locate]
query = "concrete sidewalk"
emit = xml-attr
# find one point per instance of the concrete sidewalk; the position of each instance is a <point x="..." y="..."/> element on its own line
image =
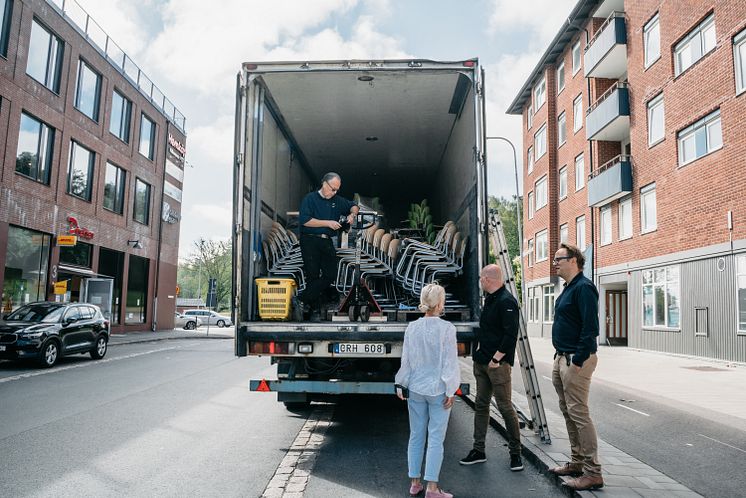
<point x="694" y="384"/>
<point x="161" y="335"/>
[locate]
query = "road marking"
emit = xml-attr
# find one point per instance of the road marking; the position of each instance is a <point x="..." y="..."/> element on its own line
<point x="550" y="380"/>
<point x="632" y="409"/>
<point x="81" y="365"/>
<point x="726" y="444"/>
<point x="294" y="471"/>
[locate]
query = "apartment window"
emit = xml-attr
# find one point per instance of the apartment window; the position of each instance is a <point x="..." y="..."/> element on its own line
<point x="580" y="232"/>
<point x="564" y="233"/>
<point x="530" y="252"/>
<point x="530" y="117"/>
<point x="147" y="137"/>
<point x="605" y="225"/>
<point x="541" y="192"/>
<point x="577" y="113"/>
<point x="562" y="129"/>
<point x="695" y="45"/>
<point x="652" y="41"/>
<point x="739" y="56"/>
<point x="88" y="91"/>
<point x="576" y="57"/>
<point x="142" y="202"/>
<point x="625" y="218"/>
<point x="530" y="159"/>
<point x="35" y="147"/>
<point x="656" y="120"/>
<point x="533" y="305"/>
<point x="542" y="248"/>
<point x="45" y="57"/>
<point x="579" y="172"/>
<point x="741" y="282"/>
<point x="540" y="142"/>
<point x="561" y="77"/>
<point x="548" y="303"/>
<point x="80" y="173"/>
<point x="563" y="182"/>
<point x="114" y="186"/>
<point x="648" y="215"/>
<point x="660" y="297"/>
<point x="540" y="94"/>
<point x="121" y="111"/>
<point x="701" y="138"/>
<point x="6" y="14"/>
<point x="531" y="206"/>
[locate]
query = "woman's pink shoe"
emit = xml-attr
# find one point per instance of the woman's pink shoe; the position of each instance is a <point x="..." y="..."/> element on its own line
<point x="438" y="494"/>
<point x="415" y="489"/>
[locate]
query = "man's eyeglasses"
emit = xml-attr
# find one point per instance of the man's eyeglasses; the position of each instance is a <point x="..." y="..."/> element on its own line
<point x="560" y="258"/>
<point x="335" y="190"/>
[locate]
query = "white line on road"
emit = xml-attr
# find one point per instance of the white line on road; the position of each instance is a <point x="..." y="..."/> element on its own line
<point x="726" y="444"/>
<point x="632" y="409"/>
<point x="544" y="376"/>
<point x="81" y="365"/>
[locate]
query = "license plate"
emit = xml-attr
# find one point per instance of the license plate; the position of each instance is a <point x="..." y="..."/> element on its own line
<point x="359" y="348"/>
<point x="2" y="348"/>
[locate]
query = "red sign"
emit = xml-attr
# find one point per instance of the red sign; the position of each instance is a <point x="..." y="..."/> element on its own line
<point x="173" y="142"/>
<point x="77" y="230"/>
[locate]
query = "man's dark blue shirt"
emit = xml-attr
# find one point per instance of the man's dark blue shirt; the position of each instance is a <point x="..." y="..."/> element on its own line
<point x="575" y="325"/>
<point x="315" y="206"/>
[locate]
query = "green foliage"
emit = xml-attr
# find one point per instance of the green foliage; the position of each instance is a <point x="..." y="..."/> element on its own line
<point x="209" y="259"/>
<point x="419" y="218"/>
<point x="507" y="210"/>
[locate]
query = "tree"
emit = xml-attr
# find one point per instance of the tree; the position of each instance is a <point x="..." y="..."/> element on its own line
<point x="210" y="259"/>
<point x="506" y="209"/>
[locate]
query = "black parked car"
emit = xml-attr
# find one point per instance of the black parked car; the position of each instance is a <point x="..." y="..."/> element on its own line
<point x="44" y="331"/>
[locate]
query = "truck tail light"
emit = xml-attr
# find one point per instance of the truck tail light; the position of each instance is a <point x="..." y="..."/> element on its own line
<point x="270" y="347"/>
<point x="463" y="348"/>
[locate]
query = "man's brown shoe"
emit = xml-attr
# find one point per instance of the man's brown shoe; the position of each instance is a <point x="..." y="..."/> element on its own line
<point x="568" y="469"/>
<point x="585" y="482"/>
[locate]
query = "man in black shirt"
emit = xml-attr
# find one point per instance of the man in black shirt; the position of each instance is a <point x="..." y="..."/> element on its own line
<point x="320" y="212"/>
<point x="574" y="335"/>
<point x="493" y="362"/>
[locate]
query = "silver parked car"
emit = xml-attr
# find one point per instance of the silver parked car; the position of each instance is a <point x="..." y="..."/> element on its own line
<point x="210" y="317"/>
<point x="186" y="322"/>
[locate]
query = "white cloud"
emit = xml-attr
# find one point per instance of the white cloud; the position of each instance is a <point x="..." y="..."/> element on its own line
<point x="541" y="19"/>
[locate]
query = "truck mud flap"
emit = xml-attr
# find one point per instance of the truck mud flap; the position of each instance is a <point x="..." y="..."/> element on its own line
<point x="331" y="387"/>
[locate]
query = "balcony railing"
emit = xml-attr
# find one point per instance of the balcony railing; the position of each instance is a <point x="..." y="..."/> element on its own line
<point x="610" y="181"/>
<point x="608" y="117"/>
<point x="84" y="23"/>
<point x="606" y="53"/>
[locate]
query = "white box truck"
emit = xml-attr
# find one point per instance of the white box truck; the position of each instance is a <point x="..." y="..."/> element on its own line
<point x="397" y="130"/>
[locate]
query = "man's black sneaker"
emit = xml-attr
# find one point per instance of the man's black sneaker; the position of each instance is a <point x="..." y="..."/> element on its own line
<point x="515" y="463"/>
<point x="473" y="457"/>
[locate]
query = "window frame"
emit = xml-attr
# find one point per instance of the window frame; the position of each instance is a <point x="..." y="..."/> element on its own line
<point x="561" y="182"/>
<point x="540" y="90"/>
<point x="577" y="108"/>
<point x="55" y="54"/>
<point x="531" y="205"/>
<point x="560" y="77"/>
<point x="125" y="118"/>
<point x="580" y="156"/>
<point x="694" y="35"/>
<point x="564" y="228"/>
<point x="5" y="20"/>
<point x="529" y="117"/>
<point x="625" y="204"/>
<point x="580" y="222"/>
<point x="548" y="307"/>
<point x="530" y="167"/>
<point x="530" y="254"/>
<point x="576" y="46"/>
<point x="653" y="23"/>
<point x="85" y="68"/>
<point x="74" y="144"/>
<point x="651" y="275"/>
<point x="561" y="129"/>
<point x="690" y="131"/>
<point x="151" y="153"/>
<point x="739" y="63"/>
<point x="740" y="276"/>
<point x="652" y="106"/>
<point x="645" y="192"/>
<point x="543" y="133"/>
<point x="542" y="241"/>
<point x="45" y="140"/>
<point x="120" y="189"/>
<point x="605" y="226"/>
<point x="543" y="183"/>
<point x="135" y="203"/>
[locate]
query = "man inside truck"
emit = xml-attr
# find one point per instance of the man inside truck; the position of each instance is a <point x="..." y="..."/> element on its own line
<point x="320" y="214"/>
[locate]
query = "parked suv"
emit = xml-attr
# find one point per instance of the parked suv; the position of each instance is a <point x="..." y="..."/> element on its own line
<point x="44" y="331"/>
<point x="209" y="317"/>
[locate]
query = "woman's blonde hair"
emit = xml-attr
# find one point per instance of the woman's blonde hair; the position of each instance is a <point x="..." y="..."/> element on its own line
<point x="431" y="297"/>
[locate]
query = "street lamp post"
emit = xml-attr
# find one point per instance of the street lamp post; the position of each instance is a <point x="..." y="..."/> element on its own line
<point x="519" y="223"/>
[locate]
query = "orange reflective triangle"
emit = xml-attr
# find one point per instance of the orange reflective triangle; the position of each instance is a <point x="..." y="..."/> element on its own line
<point x="263" y="387"/>
<point x="458" y="392"/>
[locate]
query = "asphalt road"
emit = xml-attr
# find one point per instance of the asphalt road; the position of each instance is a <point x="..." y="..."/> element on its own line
<point x="704" y="453"/>
<point x="175" y="418"/>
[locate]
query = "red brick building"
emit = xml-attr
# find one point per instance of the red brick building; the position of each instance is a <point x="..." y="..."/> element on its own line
<point x="633" y="149"/>
<point x="90" y="147"/>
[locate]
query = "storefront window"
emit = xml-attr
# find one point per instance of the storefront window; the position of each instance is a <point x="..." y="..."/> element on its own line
<point x="26" y="265"/>
<point x="111" y="264"/>
<point x="78" y="255"/>
<point x="137" y="290"/>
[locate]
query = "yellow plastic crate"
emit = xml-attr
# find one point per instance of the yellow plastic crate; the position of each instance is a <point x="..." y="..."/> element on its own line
<point x="275" y="297"/>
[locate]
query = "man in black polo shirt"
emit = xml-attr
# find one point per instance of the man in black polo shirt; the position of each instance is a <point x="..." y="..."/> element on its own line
<point x="320" y="212"/>
<point x="493" y="362"/>
<point x="574" y="335"/>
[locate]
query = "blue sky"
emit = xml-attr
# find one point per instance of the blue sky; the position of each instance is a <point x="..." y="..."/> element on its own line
<point x="192" y="50"/>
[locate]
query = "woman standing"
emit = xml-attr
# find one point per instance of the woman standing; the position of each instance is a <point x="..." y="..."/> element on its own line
<point x="430" y="372"/>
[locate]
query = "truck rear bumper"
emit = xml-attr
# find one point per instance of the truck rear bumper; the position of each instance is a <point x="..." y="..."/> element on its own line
<point x="328" y="387"/>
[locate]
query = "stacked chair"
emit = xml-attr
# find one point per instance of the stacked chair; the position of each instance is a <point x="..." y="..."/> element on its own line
<point x="282" y="253"/>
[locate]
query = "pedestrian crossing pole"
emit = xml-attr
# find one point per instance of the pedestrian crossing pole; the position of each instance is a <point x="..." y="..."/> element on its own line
<point x="538" y="421"/>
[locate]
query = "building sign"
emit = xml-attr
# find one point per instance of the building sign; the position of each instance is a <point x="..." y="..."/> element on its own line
<point x="169" y="214"/>
<point x="173" y="142"/>
<point x="76" y="229"/>
<point x="174" y="170"/>
<point x="172" y="191"/>
<point x="67" y="240"/>
<point x="60" y="288"/>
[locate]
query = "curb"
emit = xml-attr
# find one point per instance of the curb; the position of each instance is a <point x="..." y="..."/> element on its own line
<point x="140" y="340"/>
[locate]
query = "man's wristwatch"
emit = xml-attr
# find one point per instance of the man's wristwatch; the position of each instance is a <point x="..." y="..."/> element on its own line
<point x="494" y="361"/>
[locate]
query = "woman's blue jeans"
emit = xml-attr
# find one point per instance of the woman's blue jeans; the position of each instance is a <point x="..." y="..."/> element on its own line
<point x="428" y="419"/>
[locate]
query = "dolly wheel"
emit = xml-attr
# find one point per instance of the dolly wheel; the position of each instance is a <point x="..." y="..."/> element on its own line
<point x="353" y="313"/>
<point x="364" y="313"/>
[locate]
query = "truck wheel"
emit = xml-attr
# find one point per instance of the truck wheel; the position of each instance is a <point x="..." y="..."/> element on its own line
<point x="297" y="406"/>
<point x="353" y="313"/>
<point x="364" y="313"/>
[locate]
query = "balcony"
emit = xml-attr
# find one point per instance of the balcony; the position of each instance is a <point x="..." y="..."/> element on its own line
<point x="606" y="53"/>
<point x="610" y="181"/>
<point x="608" y="118"/>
